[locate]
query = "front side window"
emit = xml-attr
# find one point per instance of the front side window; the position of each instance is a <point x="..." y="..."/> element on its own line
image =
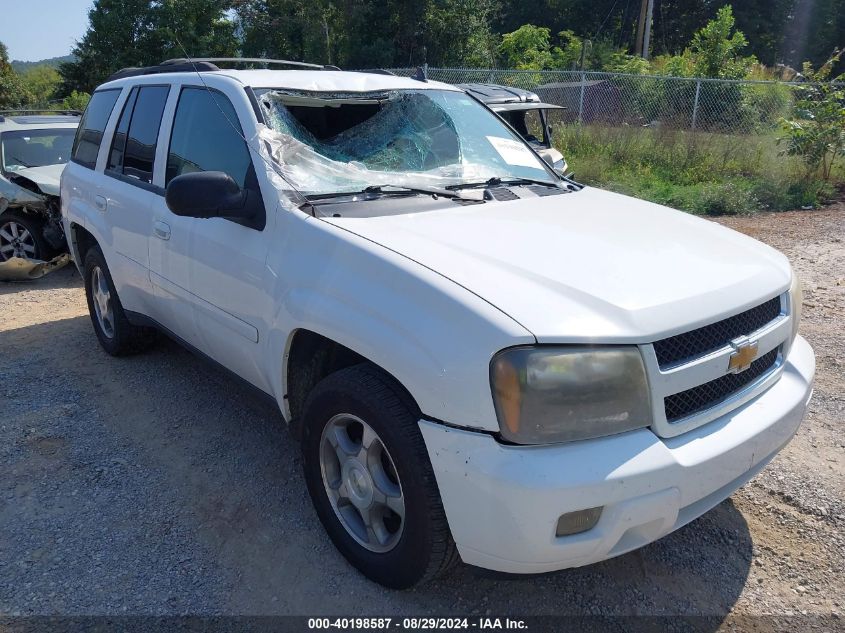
<point x="207" y="137"/>
<point x="21" y="149"/>
<point x="135" y="138"/>
<point x="86" y="145"/>
<point x="327" y="143"/>
<point x="527" y="122"/>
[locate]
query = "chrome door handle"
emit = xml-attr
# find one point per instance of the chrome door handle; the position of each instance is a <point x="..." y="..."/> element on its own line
<point x="101" y="203"/>
<point x="161" y="230"/>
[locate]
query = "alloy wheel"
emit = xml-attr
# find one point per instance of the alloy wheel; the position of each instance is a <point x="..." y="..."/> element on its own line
<point x="16" y="241"/>
<point x="361" y="482"/>
<point x="102" y="302"/>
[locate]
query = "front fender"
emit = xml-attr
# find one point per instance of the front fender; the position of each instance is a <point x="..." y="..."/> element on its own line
<point x="432" y="335"/>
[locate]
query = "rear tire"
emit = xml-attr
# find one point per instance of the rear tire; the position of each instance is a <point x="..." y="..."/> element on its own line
<point x="114" y="331"/>
<point x="21" y="235"/>
<point x="391" y="478"/>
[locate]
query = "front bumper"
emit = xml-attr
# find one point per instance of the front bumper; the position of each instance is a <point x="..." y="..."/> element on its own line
<point x="503" y="502"/>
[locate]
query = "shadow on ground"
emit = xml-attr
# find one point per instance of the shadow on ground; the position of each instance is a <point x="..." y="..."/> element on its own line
<point x="158" y="484"/>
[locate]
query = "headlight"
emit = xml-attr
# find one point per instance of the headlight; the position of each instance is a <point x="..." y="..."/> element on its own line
<point x="796" y="298"/>
<point x="558" y="394"/>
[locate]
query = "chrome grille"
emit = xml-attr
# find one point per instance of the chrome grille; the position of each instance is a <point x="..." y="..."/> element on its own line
<point x="702" y="397"/>
<point x="689" y="345"/>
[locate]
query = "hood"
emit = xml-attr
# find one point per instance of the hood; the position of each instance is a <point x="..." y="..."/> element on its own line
<point x="588" y="266"/>
<point x="12" y="195"/>
<point x="46" y="177"/>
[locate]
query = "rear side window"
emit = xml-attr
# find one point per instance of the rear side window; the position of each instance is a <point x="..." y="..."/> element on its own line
<point x="89" y="135"/>
<point x="207" y="137"/>
<point x="135" y="138"/>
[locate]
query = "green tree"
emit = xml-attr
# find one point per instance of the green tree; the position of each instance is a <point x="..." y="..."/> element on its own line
<point x="199" y="27"/>
<point x="716" y="48"/>
<point x="117" y="37"/>
<point x="620" y="62"/>
<point x="125" y="33"/>
<point x="816" y="133"/>
<point x="714" y="51"/>
<point x="13" y="92"/>
<point x="459" y="33"/>
<point x="370" y="33"/>
<point x="42" y="82"/>
<point x="291" y="29"/>
<point x="812" y="34"/>
<point x="75" y="101"/>
<point x="527" y="48"/>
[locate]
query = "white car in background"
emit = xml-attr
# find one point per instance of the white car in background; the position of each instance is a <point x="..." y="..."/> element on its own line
<point x="33" y="151"/>
<point x="483" y="359"/>
<point x="525" y="113"/>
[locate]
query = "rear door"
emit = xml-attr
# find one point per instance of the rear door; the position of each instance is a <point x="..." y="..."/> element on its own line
<point x="82" y="199"/>
<point x="129" y="191"/>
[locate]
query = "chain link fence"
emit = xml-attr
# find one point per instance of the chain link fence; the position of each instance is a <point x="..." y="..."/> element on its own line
<point x="713" y="105"/>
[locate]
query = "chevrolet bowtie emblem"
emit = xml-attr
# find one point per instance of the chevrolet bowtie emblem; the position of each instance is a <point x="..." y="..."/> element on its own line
<point x="744" y="354"/>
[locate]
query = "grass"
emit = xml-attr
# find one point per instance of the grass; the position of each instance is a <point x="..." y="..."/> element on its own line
<point x="699" y="172"/>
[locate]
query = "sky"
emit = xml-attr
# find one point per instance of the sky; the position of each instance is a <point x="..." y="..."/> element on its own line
<point x="60" y="24"/>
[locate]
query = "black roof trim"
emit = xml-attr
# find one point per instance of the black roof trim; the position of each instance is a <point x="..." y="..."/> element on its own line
<point x="187" y="67"/>
<point x="375" y="71"/>
<point x="208" y="64"/>
<point x="249" y="60"/>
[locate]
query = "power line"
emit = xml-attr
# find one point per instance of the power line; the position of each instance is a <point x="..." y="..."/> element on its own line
<point x="622" y="26"/>
<point x="607" y="17"/>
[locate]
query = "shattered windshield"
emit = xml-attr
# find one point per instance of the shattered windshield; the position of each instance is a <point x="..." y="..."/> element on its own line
<point x="35" y="148"/>
<point x="329" y="143"/>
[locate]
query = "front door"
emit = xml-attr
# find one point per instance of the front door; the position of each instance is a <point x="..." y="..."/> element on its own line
<point x="213" y="268"/>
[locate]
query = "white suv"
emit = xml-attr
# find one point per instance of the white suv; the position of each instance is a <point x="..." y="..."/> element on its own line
<point x="481" y="358"/>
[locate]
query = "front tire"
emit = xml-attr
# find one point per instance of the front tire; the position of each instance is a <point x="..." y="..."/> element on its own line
<point x="114" y="331"/>
<point x="370" y="479"/>
<point x="21" y="235"/>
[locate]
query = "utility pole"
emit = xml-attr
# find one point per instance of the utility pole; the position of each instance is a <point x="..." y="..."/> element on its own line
<point x="584" y="45"/>
<point x="644" y="29"/>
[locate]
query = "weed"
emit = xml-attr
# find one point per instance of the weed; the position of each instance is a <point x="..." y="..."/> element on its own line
<point x="699" y="172"/>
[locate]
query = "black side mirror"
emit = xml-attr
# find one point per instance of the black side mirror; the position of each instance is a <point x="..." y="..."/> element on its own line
<point x="210" y="194"/>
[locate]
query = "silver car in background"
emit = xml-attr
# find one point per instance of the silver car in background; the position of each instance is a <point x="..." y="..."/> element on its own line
<point x="33" y="151"/>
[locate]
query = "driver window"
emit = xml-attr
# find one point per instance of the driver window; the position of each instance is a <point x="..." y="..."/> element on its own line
<point x="207" y="137"/>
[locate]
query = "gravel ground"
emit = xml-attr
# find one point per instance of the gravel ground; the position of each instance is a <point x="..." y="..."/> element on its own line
<point x="156" y="485"/>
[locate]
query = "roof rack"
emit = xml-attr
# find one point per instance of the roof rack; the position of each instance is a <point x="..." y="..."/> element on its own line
<point x="250" y="60"/>
<point x="208" y="64"/>
<point x="375" y="71"/>
<point x="160" y="69"/>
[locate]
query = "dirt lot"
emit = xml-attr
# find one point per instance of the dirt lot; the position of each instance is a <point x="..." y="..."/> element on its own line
<point x="156" y="485"/>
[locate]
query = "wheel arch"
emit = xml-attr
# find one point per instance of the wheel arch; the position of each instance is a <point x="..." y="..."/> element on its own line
<point x="80" y="241"/>
<point x="309" y="357"/>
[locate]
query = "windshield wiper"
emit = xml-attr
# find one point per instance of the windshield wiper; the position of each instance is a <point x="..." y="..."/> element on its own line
<point x="387" y="189"/>
<point x="432" y="191"/>
<point x="21" y="162"/>
<point x="495" y="181"/>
